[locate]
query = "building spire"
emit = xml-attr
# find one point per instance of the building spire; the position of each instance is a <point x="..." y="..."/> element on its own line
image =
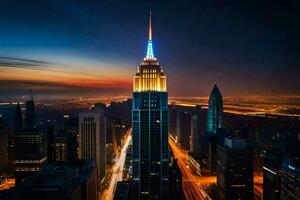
<point x="150" y="28"/>
<point x="150" y="54"/>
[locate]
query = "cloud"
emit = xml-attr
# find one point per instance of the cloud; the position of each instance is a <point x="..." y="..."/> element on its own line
<point x="23" y="63"/>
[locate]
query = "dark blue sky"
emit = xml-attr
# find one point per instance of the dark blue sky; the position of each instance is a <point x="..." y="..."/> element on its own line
<point x="247" y="47"/>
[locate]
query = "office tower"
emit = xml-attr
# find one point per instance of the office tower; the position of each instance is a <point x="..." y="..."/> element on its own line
<point x="234" y="170"/>
<point x="290" y="178"/>
<point x="272" y="174"/>
<point x="175" y="190"/>
<point x="215" y="111"/>
<point x="92" y="139"/>
<point x="30" y="152"/>
<point x="18" y="117"/>
<point x="214" y="123"/>
<point x="184" y="129"/>
<point x="30" y="113"/>
<point x="198" y="142"/>
<point x="72" y="131"/>
<point x="150" y="129"/>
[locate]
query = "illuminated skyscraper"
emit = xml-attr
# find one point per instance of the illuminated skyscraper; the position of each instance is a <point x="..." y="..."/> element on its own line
<point x="214" y="123"/>
<point x="150" y="129"/>
<point x="215" y="111"/>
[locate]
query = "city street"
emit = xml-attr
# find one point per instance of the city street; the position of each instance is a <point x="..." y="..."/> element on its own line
<point x="117" y="170"/>
<point x="192" y="185"/>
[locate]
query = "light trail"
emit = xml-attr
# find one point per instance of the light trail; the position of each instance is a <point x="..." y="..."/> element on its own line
<point x="192" y="185"/>
<point x="117" y="170"/>
<point x="7" y="183"/>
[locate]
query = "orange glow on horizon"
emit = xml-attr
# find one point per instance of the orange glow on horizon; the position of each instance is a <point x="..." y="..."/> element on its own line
<point x="59" y="80"/>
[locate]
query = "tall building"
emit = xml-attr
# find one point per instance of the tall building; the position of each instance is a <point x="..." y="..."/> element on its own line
<point x="198" y="142"/>
<point x="92" y="141"/>
<point x="30" y="113"/>
<point x="18" y="117"/>
<point x="150" y="129"/>
<point x="30" y="152"/>
<point x="184" y="129"/>
<point x="50" y="143"/>
<point x="290" y="178"/>
<point x="72" y="130"/>
<point x="234" y="170"/>
<point x="214" y="123"/>
<point x="215" y="111"/>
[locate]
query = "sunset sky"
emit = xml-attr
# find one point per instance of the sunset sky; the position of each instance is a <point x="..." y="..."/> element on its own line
<point x="94" y="47"/>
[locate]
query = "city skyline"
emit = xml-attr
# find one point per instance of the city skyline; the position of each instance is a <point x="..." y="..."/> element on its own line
<point x="76" y="122"/>
<point x="92" y="48"/>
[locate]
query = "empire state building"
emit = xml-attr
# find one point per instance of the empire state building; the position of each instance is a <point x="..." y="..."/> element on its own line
<point x="150" y="129"/>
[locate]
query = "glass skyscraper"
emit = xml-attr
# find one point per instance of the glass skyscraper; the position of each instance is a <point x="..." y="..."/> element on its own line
<point x="150" y="129"/>
<point x="215" y="111"/>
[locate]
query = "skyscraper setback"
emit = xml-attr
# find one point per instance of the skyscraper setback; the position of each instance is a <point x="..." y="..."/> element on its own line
<point x="150" y="129"/>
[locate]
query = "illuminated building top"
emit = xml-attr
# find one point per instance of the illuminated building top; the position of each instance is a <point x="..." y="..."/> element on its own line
<point x="150" y="76"/>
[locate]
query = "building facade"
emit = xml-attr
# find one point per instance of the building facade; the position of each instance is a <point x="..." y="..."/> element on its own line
<point x="92" y="141"/>
<point x="234" y="170"/>
<point x="215" y="111"/>
<point x="184" y="129"/>
<point x="150" y="129"/>
<point x="198" y="142"/>
<point x="30" y="152"/>
<point x="30" y="113"/>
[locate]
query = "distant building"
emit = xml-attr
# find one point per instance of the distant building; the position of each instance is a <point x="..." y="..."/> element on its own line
<point x="123" y="190"/>
<point x="150" y="129"/>
<point x="172" y="120"/>
<point x="30" y="114"/>
<point x="18" y="117"/>
<point x="215" y="111"/>
<point x="234" y="170"/>
<point x="290" y="179"/>
<point x="272" y="175"/>
<point x="118" y="131"/>
<point x="175" y="190"/>
<point x="72" y="130"/>
<point x="184" y="129"/>
<point x="91" y="139"/>
<point x="61" y="146"/>
<point x="30" y="152"/>
<point x="214" y="123"/>
<point x="198" y="141"/>
<point x="50" y="143"/>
